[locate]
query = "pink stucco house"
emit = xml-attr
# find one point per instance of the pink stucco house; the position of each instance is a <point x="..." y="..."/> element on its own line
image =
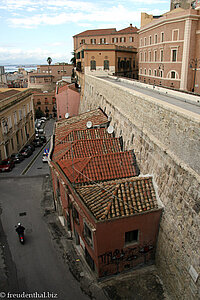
<point x="67" y="99"/>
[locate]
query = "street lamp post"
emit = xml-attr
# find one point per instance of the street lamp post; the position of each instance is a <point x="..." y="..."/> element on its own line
<point x="194" y="64"/>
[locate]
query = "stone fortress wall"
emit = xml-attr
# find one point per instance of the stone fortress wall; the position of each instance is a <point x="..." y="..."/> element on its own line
<point x="166" y="141"/>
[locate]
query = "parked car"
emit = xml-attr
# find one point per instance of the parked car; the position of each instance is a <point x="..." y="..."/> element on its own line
<point x="41" y="131"/>
<point x="26" y="152"/>
<point x="32" y="147"/>
<point x="17" y="157"/>
<point x="37" y="143"/>
<point x="43" y="138"/>
<point x="6" y="165"/>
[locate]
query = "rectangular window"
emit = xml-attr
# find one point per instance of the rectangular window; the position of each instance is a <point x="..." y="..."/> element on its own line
<point x="82" y="54"/>
<point x="155" y="39"/>
<point x="93" y="41"/>
<point x="155" y="73"/>
<point x="15" y="118"/>
<point x="149" y="56"/>
<point x="162" y="36"/>
<point x="102" y="41"/>
<point x="9" y="122"/>
<point x="24" y="111"/>
<point x="175" y="35"/>
<point x="150" y="40"/>
<point x="145" y="56"/>
<point x="131" y="236"/>
<point x="75" y="215"/>
<point x="115" y="40"/>
<point x="131" y="39"/>
<point x="145" y="41"/>
<point x="161" y="55"/>
<point x="83" y="41"/>
<point x="88" y="235"/>
<point x="155" y="55"/>
<point x="20" y="114"/>
<point x="140" y="56"/>
<point x="122" y="40"/>
<point x="174" y="55"/>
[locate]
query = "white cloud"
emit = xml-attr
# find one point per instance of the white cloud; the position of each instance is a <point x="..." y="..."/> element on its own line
<point x="37" y="54"/>
<point x="121" y="14"/>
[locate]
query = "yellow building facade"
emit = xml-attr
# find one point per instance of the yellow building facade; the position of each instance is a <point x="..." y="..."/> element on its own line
<point x="16" y="120"/>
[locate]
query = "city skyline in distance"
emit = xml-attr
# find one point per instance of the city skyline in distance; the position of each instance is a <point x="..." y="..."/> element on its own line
<point x="35" y="30"/>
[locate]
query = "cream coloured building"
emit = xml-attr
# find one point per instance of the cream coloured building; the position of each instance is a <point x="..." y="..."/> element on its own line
<point x="169" y="49"/>
<point x="16" y="121"/>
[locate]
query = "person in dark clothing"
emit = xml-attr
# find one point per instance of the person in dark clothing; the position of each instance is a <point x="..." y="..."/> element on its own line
<point x="20" y="229"/>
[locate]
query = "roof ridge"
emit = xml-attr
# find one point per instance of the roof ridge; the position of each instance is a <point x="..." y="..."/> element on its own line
<point x="107" y="209"/>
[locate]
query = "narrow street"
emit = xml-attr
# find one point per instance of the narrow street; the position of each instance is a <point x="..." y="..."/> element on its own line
<point x="35" y="267"/>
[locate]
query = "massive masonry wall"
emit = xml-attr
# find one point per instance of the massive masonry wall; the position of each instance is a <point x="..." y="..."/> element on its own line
<point x="166" y="143"/>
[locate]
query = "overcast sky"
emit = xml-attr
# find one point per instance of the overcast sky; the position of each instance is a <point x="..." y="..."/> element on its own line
<point x="32" y="30"/>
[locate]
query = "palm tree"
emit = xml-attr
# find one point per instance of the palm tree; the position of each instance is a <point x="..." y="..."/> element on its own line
<point x="49" y="60"/>
<point x="73" y="59"/>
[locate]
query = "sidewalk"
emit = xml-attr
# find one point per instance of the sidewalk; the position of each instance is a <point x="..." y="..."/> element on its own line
<point x="139" y="284"/>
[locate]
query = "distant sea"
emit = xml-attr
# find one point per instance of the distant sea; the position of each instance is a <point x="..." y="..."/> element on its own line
<point x="14" y="68"/>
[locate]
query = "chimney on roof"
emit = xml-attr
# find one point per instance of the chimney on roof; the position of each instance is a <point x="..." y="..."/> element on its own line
<point x="130" y="25"/>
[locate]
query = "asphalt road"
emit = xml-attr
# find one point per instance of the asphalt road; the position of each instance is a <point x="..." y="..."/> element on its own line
<point x="39" y="268"/>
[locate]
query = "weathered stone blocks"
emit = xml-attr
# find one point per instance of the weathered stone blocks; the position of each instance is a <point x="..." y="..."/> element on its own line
<point x="166" y="142"/>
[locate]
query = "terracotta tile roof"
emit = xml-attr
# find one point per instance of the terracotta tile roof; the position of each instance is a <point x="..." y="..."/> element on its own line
<point x="119" y="198"/>
<point x="97" y="117"/>
<point x="96" y="32"/>
<point x="102" y="167"/>
<point x="86" y="134"/>
<point x="9" y="93"/>
<point x="87" y="148"/>
<point x="128" y="30"/>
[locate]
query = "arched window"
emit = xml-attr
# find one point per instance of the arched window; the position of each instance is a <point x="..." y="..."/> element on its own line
<point x="93" y="65"/>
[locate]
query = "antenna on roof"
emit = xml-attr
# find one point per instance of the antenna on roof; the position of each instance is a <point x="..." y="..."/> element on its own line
<point x="110" y="129"/>
<point x="66" y="115"/>
<point x="89" y="124"/>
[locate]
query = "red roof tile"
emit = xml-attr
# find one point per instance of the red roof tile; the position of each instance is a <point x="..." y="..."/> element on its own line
<point x="86" y="148"/>
<point x="102" y="167"/>
<point x="97" y="117"/>
<point x="119" y="198"/>
<point x="96" y="32"/>
<point x="129" y="29"/>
